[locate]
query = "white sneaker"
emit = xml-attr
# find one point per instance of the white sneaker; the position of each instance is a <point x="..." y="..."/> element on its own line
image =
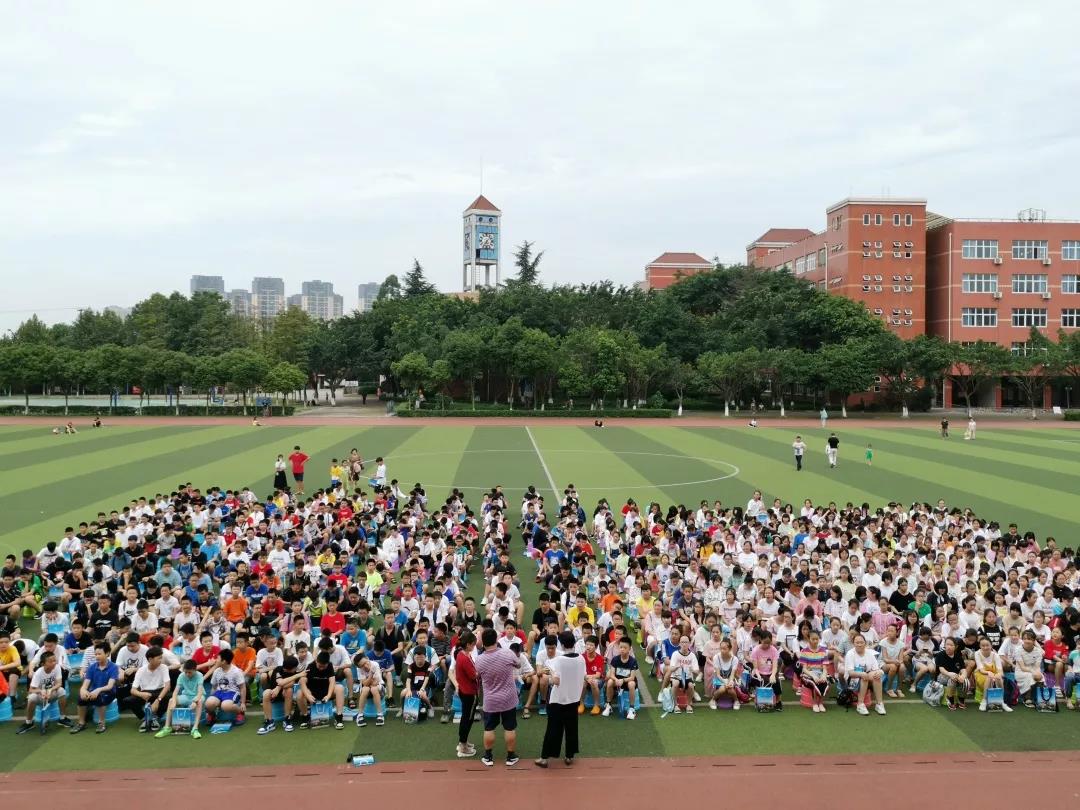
<point x="649" y="660"/>
<point x="712" y="705"/>
<point x="630" y="714"/>
<point x="880" y="708"/>
<point x="982" y="706"/>
<point x="861" y="709"/>
<point x="697" y="697"/>
<point x="736" y="705"/>
<point x="821" y="708"/>
<point x="607" y="711"/>
<point x="1006" y="707"/>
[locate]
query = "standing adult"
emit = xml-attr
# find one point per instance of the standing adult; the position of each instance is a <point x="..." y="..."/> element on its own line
<point x="298" y="459"/>
<point x="799" y="446"/>
<point x="467" y="687"/>
<point x="497" y="669"/>
<point x="971" y="428"/>
<point x="567" y="681"/>
<point x="280" y="481"/>
<point x="824" y="417"/>
<point x="944" y="427"/>
<point x="832" y="446"/>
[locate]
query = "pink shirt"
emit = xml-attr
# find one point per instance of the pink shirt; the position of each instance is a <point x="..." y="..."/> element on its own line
<point x="763" y="659"/>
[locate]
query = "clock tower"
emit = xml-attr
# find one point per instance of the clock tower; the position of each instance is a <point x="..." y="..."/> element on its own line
<point x="481" y="245"/>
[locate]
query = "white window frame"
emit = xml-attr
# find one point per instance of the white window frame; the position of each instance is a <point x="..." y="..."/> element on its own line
<point x="1070" y="283"/>
<point x="1070" y="319"/>
<point x="1030" y="283"/>
<point x="979" y="249"/>
<point x="878" y="219"/>
<point x="896" y="220"/>
<point x="1070" y="250"/>
<point x="1030" y="249"/>
<point x="1027" y="317"/>
<point x="979" y="317"/>
<point x="908" y="219"/>
<point x="865" y="219"/>
<point x="979" y="283"/>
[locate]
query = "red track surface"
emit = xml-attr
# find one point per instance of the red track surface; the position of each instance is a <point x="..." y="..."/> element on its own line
<point x="83" y="423"/>
<point x="981" y="781"/>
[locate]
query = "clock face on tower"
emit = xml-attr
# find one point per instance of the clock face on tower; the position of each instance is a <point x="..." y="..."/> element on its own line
<point x="485" y="241"/>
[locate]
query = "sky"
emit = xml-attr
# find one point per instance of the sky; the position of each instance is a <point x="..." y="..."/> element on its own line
<point x="143" y="142"/>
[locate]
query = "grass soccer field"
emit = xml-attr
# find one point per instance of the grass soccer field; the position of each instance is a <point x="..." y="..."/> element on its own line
<point x="1031" y="477"/>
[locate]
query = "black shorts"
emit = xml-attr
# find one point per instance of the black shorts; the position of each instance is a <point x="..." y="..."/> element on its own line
<point x="507" y="719"/>
<point x="298" y="476"/>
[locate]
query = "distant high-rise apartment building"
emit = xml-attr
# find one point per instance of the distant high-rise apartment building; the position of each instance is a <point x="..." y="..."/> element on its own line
<point x="366" y="295"/>
<point x="318" y="299"/>
<point x="208" y="284"/>
<point x="119" y="312"/>
<point x="239" y="302"/>
<point x="267" y="296"/>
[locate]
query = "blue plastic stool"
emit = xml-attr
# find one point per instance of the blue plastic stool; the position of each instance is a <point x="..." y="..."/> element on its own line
<point x="52" y="712"/>
<point x="112" y="712"/>
<point x="6" y="712"/>
<point x="277" y="710"/>
<point x="624" y="702"/>
<point x="588" y="699"/>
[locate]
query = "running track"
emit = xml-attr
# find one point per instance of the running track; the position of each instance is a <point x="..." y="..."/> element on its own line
<point x="983" y="781"/>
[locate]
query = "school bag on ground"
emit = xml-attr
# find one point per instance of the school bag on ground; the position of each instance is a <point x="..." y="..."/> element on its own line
<point x="666" y="698"/>
<point x="932" y="693"/>
<point x="1045" y="698"/>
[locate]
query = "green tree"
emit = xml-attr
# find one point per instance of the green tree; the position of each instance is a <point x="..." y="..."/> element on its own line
<point x="327" y="359"/>
<point x="24" y="367"/>
<point x="976" y="365"/>
<point x="92" y="329"/>
<point x="285" y="378"/>
<point x="109" y="367"/>
<point x="33" y="330"/>
<point x="572" y="380"/>
<point x="728" y="374"/>
<point x="289" y="337"/>
<point x="244" y="370"/>
<point x="206" y="375"/>
<point x="931" y="359"/>
<point x="416" y="284"/>
<point x="783" y="367"/>
<point x="681" y="378"/>
<point x="413" y="370"/>
<point x="464" y="351"/>
<point x="536" y="356"/>
<point x="844" y="369"/>
<point x="528" y="265"/>
<point x="67" y="368"/>
<point x="390" y="289"/>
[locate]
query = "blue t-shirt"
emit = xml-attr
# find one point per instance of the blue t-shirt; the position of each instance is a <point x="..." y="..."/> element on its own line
<point x="354" y="643"/>
<point x="96" y="677"/>
<point x="623" y="669"/>
<point x="385" y="661"/>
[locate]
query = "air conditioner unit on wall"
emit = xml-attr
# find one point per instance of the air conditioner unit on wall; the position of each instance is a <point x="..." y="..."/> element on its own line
<point x="996" y="294"/>
<point x="1046" y="296"/>
<point x="998" y="260"/>
<point x="1046" y="261"/>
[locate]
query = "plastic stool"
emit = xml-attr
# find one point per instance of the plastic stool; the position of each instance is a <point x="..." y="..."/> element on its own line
<point x="6" y="711"/>
<point x="52" y="712"/>
<point x="112" y="712"/>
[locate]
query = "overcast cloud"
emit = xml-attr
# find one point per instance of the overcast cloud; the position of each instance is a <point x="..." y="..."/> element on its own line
<point x="338" y="140"/>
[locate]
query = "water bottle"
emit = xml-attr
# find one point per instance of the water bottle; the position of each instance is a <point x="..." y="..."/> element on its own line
<point x="358" y="760"/>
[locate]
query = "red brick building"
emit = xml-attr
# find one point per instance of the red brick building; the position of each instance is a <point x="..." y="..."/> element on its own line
<point x="667" y="268"/>
<point x="872" y="250"/>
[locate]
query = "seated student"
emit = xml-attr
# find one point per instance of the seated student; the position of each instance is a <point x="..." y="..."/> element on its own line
<point x="989" y="672"/>
<point x="813" y="661"/>
<point x="1072" y="676"/>
<point x="370" y="680"/>
<point x="98" y="688"/>
<point x="765" y="660"/>
<point x="46" y="686"/>
<point x="1056" y="657"/>
<point x="268" y="658"/>
<point x="188" y="694"/>
<point x="382" y="656"/>
<point x="952" y="673"/>
<point x="149" y="689"/>
<point x="861" y="665"/>
<point x="922" y="657"/>
<point x="1027" y="663"/>
<point x="318" y="684"/>
<point x="594" y="674"/>
<point x="278" y="689"/>
<point x="622" y="677"/>
<point x="682" y="668"/>
<point x="228" y="689"/>
<point x="342" y="663"/>
<point x="726" y="670"/>
<point x="418" y="679"/>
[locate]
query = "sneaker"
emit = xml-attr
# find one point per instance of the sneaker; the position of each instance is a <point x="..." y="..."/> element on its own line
<point x="487" y="760"/>
<point x="676" y="710"/>
<point x="511" y="760"/>
<point x="861" y="709"/>
<point x="101" y="728"/>
<point x="689" y="709"/>
<point x="305" y="722"/>
<point x="196" y="734"/>
<point x="155" y="724"/>
<point x="267" y="727"/>
<point x="581" y="708"/>
<point x="165" y="732"/>
<point x="880" y="708"/>
<point x="77" y="728"/>
<point x="381" y="721"/>
<point x="471" y="749"/>
<point x="339" y="721"/>
<point x="630" y="714"/>
<point x="445" y="718"/>
<point x="287" y="725"/>
<point x="736" y="705"/>
<point x="143" y="728"/>
<point x="821" y="708"/>
<point x="361" y="721"/>
<point x="240" y="719"/>
<point x="595" y="710"/>
<point x="649" y="660"/>
<point x="1006" y="707"/>
<point x="982" y="706"/>
<point x="464" y="753"/>
<point x="712" y="705"/>
<point x="25" y="727"/>
<point x="913" y="689"/>
<point x="779" y="707"/>
<point x="607" y="711"/>
<point x="65" y="722"/>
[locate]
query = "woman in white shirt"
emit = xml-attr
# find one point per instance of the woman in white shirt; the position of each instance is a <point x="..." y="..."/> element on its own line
<point x="989" y="672"/>
<point x="861" y="664"/>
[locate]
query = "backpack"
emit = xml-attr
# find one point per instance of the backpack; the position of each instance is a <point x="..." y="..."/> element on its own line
<point x="1012" y="693"/>
<point x="1045" y="699"/>
<point x="932" y="693"/>
<point x="846" y="696"/>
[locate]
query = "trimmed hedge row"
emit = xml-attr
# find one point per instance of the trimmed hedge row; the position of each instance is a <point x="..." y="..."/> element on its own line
<point x="1072" y="416"/>
<point x="149" y="410"/>
<point x="641" y="413"/>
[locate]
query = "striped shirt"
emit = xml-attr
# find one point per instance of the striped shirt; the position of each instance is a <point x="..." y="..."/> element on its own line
<point x="813" y="661"/>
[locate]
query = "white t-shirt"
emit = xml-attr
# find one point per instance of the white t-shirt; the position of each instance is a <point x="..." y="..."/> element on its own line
<point x="46" y="680"/>
<point x="867" y="662"/>
<point x="147" y="680"/>
<point x="571" y="672"/>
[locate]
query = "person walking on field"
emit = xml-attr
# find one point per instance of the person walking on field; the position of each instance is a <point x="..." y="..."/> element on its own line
<point x="824" y="417"/>
<point x="799" y="446"/>
<point x="298" y="459"/>
<point x="970" y="434"/>
<point x="498" y="669"/>
<point x="832" y="445"/>
<point x="945" y="428"/>
<point x="567" y="679"/>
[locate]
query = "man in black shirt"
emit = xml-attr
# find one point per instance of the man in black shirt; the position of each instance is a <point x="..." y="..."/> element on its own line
<point x="318" y="684"/>
<point x="542" y="617"/>
<point x="279" y="689"/>
<point x="103" y="618"/>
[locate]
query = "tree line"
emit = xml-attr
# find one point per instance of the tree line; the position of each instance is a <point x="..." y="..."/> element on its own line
<point x="734" y="334"/>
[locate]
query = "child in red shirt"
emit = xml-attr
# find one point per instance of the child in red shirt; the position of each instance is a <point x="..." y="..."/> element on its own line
<point x="594" y="674"/>
<point x="1056" y="655"/>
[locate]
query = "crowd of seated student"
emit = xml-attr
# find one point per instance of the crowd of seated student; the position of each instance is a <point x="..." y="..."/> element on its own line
<point x="344" y="597"/>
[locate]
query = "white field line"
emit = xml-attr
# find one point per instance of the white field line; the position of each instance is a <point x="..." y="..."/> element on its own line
<point x="543" y="464"/>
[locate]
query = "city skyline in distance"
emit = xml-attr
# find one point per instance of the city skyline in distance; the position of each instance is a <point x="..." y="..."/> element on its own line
<point x="132" y="168"/>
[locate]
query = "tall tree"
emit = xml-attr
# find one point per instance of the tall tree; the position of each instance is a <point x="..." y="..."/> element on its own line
<point x="976" y="365"/>
<point x="844" y="369"/>
<point x="729" y="374"/>
<point x="528" y="265"/>
<point x="464" y="351"/>
<point x="284" y="379"/>
<point x="416" y="284"/>
<point x="24" y="367"/>
<point x="390" y="289"/>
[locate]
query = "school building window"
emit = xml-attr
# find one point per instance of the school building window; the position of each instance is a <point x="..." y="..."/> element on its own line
<point x="978" y="316"/>
<point x="1070" y="284"/>
<point x="811" y="263"/>
<point x="1021" y="348"/>
<point x="1029" y="316"/>
<point x="980" y="249"/>
<point x="1029" y="283"/>
<point x="1070" y="318"/>
<point x="1029" y="249"/>
<point x="980" y="282"/>
<point x="1070" y="249"/>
